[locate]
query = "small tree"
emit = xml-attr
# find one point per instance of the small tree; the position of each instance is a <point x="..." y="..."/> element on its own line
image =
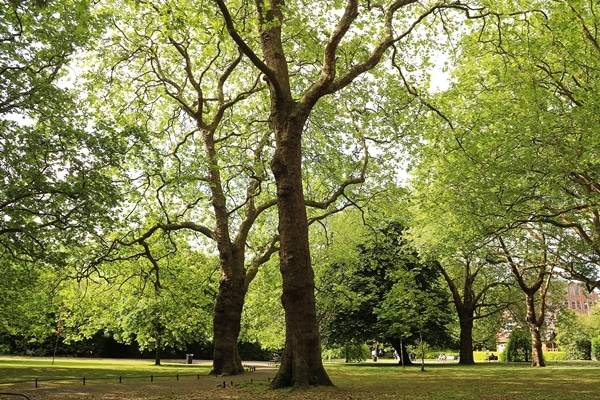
<point x="573" y="335"/>
<point x="518" y="347"/>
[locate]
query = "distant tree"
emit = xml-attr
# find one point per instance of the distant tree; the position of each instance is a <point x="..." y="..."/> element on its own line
<point x="573" y="334"/>
<point x="380" y="296"/>
<point x="518" y="347"/>
<point x="155" y="302"/>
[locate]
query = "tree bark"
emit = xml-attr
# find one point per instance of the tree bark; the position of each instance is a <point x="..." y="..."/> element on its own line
<point x="226" y="326"/>
<point x="404" y="357"/>
<point x="301" y="364"/>
<point x="465" y="355"/>
<point x="537" y="355"/>
<point x="157" y="352"/>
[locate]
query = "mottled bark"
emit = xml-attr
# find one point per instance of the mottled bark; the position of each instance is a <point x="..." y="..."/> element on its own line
<point x="534" y="324"/>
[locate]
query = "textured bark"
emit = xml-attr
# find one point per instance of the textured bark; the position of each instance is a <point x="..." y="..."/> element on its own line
<point x="465" y="355"/>
<point x="226" y="322"/>
<point x="534" y="324"/>
<point x="301" y="364"/>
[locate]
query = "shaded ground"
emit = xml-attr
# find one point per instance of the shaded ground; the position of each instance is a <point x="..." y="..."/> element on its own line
<point x="189" y="387"/>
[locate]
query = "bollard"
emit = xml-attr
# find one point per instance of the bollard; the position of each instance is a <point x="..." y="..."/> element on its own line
<point x="84" y="381"/>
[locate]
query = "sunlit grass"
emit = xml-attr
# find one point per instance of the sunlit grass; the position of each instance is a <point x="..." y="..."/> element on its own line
<point x="19" y="369"/>
<point x="368" y="380"/>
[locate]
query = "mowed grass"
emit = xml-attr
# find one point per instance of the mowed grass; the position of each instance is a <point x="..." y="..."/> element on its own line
<point x="15" y="369"/>
<point x="359" y="381"/>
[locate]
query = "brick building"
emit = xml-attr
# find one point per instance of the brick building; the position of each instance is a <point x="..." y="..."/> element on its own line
<point x="579" y="300"/>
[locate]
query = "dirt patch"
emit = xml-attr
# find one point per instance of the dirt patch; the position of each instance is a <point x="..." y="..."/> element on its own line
<point x="203" y="387"/>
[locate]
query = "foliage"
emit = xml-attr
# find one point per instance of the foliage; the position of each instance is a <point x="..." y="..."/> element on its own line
<point x="573" y="336"/>
<point x="156" y="306"/>
<point x="385" y="293"/>
<point x="518" y="347"/>
<point x="350" y="353"/>
<point x="57" y="166"/>
<point x="555" y="356"/>
<point x="596" y="347"/>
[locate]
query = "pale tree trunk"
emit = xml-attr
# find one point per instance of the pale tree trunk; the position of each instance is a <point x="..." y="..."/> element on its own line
<point x="534" y="324"/>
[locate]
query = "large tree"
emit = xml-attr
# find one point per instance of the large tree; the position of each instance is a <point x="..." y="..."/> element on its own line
<point x="513" y="147"/>
<point x="300" y="70"/>
<point x="380" y="290"/>
<point x="202" y="168"/>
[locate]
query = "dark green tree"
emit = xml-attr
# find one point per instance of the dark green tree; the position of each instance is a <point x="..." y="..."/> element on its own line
<point x="373" y="298"/>
<point x="518" y="347"/>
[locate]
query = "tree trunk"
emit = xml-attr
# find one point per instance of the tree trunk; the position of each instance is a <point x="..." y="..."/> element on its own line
<point x="301" y="363"/>
<point x="404" y="357"/>
<point x="465" y="355"/>
<point x="226" y="325"/>
<point x="537" y="355"/>
<point x="157" y="352"/>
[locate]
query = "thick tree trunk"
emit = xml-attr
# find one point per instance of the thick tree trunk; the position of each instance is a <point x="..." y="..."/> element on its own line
<point x="537" y="355"/>
<point x="301" y="364"/>
<point x="404" y="357"/>
<point x="465" y="355"/>
<point x="226" y="326"/>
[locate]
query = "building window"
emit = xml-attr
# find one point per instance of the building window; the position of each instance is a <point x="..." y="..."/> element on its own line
<point x="579" y="305"/>
<point x="572" y="305"/>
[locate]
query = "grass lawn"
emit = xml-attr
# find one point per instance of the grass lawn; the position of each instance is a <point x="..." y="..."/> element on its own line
<point x="360" y="381"/>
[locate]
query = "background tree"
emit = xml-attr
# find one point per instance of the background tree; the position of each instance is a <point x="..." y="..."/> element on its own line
<point x="505" y="158"/>
<point x="156" y="302"/>
<point x="572" y="335"/>
<point x="377" y="295"/>
<point x="518" y="347"/>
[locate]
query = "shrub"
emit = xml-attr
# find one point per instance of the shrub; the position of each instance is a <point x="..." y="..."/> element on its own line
<point x="518" y="347"/>
<point x="554" y="356"/>
<point x="596" y="347"/>
<point x="350" y="353"/>
<point x="578" y="349"/>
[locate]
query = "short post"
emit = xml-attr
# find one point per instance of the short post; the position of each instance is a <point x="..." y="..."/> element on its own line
<point x="84" y="381"/>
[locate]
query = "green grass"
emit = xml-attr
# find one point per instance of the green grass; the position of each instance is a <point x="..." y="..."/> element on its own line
<point x="566" y="381"/>
<point x="66" y="369"/>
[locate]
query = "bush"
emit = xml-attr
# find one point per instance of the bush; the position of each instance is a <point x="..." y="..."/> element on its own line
<point x="350" y="353"/>
<point x="579" y="349"/>
<point x="518" y="347"/>
<point x="555" y="356"/>
<point x="596" y="347"/>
